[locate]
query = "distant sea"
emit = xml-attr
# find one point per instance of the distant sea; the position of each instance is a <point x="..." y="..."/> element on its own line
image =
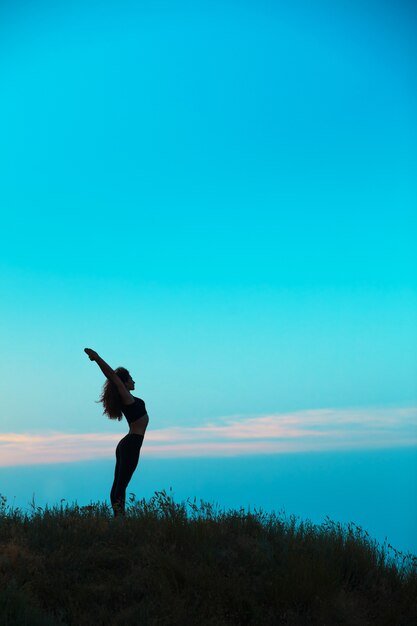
<point x="375" y="489"/>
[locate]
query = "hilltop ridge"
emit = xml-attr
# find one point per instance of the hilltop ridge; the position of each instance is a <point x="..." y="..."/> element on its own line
<point x="174" y="563"/>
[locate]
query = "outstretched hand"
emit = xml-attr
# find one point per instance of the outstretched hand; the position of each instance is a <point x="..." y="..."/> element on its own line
<point x="91" y="353"/>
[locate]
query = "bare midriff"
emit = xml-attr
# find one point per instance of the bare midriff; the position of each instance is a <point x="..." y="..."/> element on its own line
<point x="138" y="427"/>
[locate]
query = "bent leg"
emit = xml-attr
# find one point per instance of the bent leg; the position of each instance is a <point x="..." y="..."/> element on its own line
<point x="127" y="455"/>
<point x="116" y="477"/>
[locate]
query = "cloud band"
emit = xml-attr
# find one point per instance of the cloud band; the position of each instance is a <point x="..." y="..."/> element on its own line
<point x="302" y="431"/>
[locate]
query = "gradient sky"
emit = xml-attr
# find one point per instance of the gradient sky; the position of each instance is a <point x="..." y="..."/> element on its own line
<point x="220" y="196"/>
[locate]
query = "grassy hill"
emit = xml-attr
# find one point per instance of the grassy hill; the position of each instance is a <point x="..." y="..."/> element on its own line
<point x="169" y="563"/>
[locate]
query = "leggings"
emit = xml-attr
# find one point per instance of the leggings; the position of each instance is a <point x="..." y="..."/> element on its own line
<point x="127" y="458"/>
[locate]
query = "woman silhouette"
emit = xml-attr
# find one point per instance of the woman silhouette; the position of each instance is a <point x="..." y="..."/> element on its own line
<point x="118" y="400"/>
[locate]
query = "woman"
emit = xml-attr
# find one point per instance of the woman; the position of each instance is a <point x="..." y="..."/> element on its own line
<point x="118" y="400"/>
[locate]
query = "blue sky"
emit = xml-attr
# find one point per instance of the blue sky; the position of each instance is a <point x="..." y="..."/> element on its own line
<point x="222" y="198"/>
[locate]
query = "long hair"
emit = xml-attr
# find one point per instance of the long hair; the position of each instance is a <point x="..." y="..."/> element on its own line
<point x="110" y="397"/>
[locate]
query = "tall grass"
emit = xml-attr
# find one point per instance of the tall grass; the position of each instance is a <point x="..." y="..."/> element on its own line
<point x="185" y="563"/>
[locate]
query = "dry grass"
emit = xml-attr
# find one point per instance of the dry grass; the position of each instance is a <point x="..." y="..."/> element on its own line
<point x="169" y="563"/>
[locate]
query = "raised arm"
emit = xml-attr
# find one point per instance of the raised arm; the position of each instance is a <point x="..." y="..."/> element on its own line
<point x="110" y="374"/>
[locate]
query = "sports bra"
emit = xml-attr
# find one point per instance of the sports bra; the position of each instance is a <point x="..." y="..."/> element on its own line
<point x="134" y="411"/>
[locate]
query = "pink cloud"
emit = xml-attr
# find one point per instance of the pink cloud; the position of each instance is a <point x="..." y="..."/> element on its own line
<point x="302" y="431"/>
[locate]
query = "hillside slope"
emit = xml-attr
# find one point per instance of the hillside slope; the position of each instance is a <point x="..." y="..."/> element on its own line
<point x="169" y="563"/>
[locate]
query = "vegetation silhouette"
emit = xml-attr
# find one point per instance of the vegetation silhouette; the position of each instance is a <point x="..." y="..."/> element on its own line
<point x="183" y="563"/>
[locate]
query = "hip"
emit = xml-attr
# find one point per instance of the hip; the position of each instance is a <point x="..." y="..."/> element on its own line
<point x="130" y="441"/>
